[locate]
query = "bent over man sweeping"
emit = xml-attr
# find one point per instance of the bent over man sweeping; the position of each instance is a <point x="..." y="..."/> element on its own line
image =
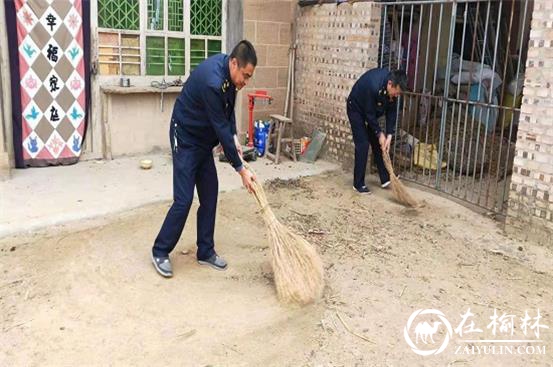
<point x="203" y="116"/>
<point x="372" y="96"/>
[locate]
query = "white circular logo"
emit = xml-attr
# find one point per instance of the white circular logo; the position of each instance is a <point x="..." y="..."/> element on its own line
<point x="425" y="332"/>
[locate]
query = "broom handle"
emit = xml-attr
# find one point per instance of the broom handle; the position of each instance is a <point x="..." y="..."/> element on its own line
<point x="388" y="164"/>
<point x="256" y="186"/>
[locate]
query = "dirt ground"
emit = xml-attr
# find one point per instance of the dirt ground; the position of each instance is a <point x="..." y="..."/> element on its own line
<point x="87" y="294"/>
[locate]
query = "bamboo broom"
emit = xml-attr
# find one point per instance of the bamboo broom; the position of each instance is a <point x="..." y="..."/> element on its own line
<point x="297" y="267"/>
<point x="399" y="190"/>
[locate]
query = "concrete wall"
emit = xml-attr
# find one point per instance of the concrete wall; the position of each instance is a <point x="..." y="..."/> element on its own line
<point x="136" y="123"/>
<point x="530" y="213"/>
<point x="336" y="44"/>
<point x="268" y="25"/>
<point x="6" y="139"/>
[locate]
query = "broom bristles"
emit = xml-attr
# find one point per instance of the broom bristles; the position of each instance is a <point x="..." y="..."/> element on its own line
<point x="297" y="267"/>
<point x="400" y="192"/>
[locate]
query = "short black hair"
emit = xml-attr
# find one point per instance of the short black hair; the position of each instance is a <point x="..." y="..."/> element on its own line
<point x="398" y="77"/>
<point x="244" y="53"/>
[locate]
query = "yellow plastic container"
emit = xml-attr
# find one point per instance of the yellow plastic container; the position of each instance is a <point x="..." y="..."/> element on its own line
<point x="426" y="156"/>
<point x="508" y="114"/>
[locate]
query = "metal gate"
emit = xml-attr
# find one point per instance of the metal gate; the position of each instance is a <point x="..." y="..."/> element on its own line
<point x="465" y="64"/>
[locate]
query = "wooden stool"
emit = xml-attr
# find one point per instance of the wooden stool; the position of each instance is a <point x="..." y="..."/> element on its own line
<point x="281" y="136"/>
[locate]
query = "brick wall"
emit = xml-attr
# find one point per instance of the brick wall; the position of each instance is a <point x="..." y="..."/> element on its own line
<point x="268" y="25"/>
<point x="531" y="195"/>
<point x="336" y="44"/>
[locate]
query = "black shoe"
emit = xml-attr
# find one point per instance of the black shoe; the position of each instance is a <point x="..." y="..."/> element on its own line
<point x="362" y="190"/>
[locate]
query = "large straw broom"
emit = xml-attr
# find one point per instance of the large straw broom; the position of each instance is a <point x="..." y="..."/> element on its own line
<point x="399" y="190"/>
<point x="297" y="267"/>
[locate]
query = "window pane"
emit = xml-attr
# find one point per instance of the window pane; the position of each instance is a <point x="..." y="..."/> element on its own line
<point x="197" y="53"/>
<point x="213" y="47"/>
<point x="205" y="17"/>
<point x="155" y="15"/>
<point x="108" y="53"/>
<point x="130" y="54"/>
<point x="175" y="53"/>
<point x="155" y="56"/>
<point x="175" y="15"/>
<point x="118" y="14"/>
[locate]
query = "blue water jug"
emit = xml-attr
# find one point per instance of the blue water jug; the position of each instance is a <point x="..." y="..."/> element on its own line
<point x="260" y="136"/>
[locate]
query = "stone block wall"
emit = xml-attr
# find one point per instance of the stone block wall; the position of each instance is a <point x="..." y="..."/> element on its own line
<point x="530" y="212"/>
<point x="335" y="45"/>
<point x="268" y="25"/>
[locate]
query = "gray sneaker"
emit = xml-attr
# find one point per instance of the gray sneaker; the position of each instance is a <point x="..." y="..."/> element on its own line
<point x="163" y="266"/>
<point x="215" y="261"/>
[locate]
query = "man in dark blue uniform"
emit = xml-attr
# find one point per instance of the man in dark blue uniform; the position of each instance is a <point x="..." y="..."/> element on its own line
<point x="372" y="96"/>
<point x="203" y="116"/>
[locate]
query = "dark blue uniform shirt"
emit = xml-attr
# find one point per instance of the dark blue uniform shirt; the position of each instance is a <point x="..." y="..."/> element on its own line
<point x="204" y="111"/>
<point x="370" y="97"/>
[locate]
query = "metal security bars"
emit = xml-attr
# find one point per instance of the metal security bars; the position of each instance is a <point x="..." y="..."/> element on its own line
<point x="205" y="17"/>
<point x="158" y="37"/>
<point x="119" y="14"/>
<point x="465" y="64"/>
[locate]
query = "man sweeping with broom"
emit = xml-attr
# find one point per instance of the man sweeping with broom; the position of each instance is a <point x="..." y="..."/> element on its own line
<point x="372" y="96"/>
<point x="203" y="116"/>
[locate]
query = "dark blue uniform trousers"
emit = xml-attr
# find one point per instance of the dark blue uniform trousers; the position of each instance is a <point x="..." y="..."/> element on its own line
<point x="363" y="135"/>
<point x="192" y="167"/>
